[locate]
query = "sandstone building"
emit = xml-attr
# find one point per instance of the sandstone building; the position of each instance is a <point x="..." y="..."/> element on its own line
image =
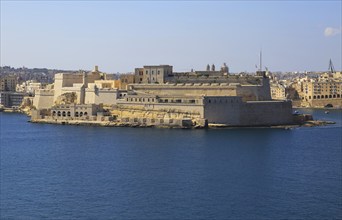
<point x="157" y="95"/>
<point x="325" y="90"/>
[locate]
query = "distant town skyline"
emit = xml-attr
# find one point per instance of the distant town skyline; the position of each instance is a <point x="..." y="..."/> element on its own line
<point x="120" y="36"/>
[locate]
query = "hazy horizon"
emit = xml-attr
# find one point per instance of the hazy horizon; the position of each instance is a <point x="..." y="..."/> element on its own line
<point x="120" y="36"/>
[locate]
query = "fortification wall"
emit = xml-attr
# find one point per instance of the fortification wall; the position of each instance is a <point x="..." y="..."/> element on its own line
<point x="104" y="96"/>
<point x="187" y="110"/>
<point x="337" y="103"/>
<point x="233" y="111"/>
<point x="186" y="89"/>
<point x="266" y="113"/>
<point x="65" y="80"/>
<point x="43" y="99"/>
<point x="77" y="90"/>
<point x="247" y="92"/>
<point x="260" y="92"/>
<point x="210" y="77"/>
<point x="222" y="110"/>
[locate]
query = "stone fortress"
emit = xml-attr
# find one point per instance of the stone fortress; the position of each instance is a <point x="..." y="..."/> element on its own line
<point x="157" y="96"/>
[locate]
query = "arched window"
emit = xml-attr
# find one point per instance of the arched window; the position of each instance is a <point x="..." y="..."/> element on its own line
<point x="54" y="113"/>
<point x="58" y="113"/>
<point x="76" y="114"/>
<point x="314" y="97"/>
<point x="85" y="113"/>
<point x="81" y="114"/>
<point x="330" y="96"/>
<point x="326" y="96"/>
<point x="64" y="114"/>
<point x="69" y="114"/>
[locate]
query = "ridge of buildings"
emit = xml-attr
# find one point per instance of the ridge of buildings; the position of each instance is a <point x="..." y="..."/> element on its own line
<point x="155" y="95"/>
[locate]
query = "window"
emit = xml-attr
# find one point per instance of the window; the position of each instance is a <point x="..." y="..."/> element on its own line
<point x="158" y="72"/>
<point x="146" y="71"/>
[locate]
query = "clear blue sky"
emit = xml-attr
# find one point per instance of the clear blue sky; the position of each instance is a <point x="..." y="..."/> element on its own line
<point x="119" y="36"/>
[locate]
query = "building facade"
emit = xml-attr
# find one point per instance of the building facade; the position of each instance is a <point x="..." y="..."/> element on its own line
<point x="153" y="74"/>
<point x="8" y="83"/>
<point x="11" y="99"/>
<point x="320" y="92"/>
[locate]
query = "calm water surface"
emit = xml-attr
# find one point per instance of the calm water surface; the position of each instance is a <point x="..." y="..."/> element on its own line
<point x="75" y="172"/>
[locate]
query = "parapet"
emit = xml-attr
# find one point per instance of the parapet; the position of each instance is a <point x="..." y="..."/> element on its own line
<point x="44" y="92"/>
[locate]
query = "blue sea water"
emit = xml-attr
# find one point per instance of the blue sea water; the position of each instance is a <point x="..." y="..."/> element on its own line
<point x="76" y="172"/>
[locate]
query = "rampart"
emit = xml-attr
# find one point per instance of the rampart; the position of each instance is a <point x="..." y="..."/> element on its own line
<point x="43" y="98"/>
<point x="247" y="92"/>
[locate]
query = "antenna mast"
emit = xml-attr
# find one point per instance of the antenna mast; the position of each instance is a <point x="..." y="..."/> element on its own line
<point x="260" y="67"/>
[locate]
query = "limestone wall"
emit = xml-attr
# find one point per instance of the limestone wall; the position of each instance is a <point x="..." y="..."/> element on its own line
<point x="79" y="91"/>
<point x="255" y="92"/>
<point x="233" y="111"/>
<point x="43" y="99"/>
<point x="223" y="110"/>
<point x="65" y="80"/>
<point x="337" y="103"/>
<point x="266" y="113"/>
<point x="186" y="89"/>
<point x="104" y="96"/>
<point x="175" y="109"/>
<point x="248" y="92"/>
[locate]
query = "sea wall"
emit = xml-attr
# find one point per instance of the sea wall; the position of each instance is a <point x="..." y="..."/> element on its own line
<point x="336" y="103"/>
<point x="266" y="113"/>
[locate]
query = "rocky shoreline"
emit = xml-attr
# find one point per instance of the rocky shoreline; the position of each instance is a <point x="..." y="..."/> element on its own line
<point x="310" y="123"/>
<point x="306" y="122"/>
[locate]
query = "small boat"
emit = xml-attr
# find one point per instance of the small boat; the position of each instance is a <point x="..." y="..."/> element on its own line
<point x="326" y="112"/>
